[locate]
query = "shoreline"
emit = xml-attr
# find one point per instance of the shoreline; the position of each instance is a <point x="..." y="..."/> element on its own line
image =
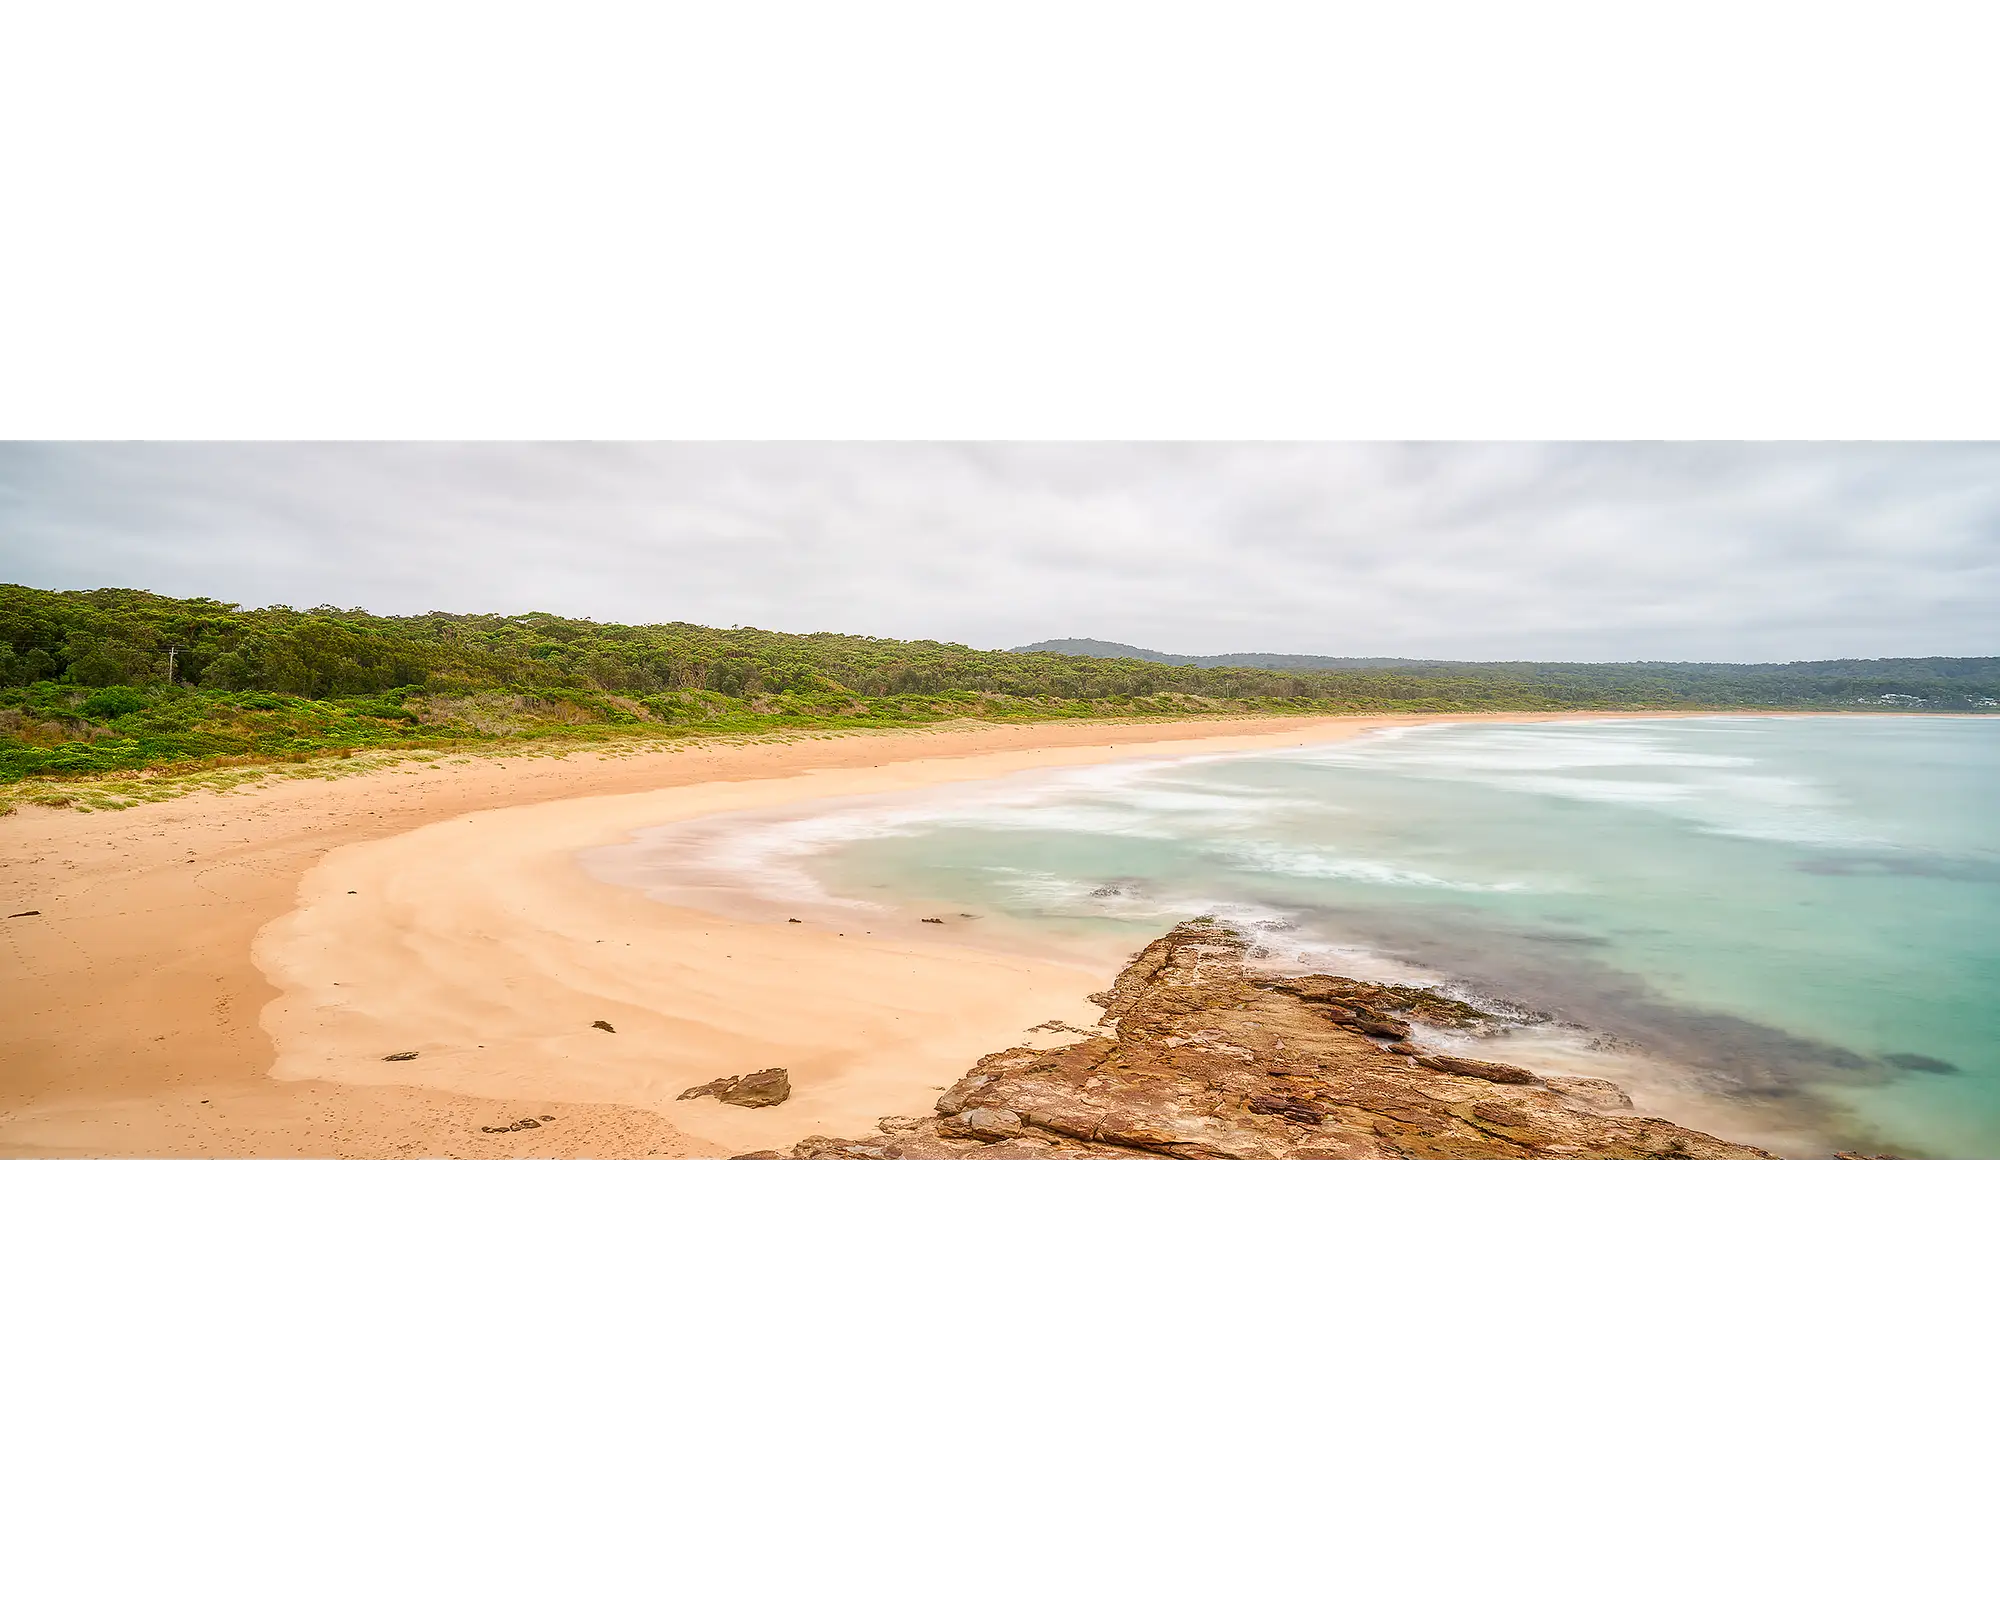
<point x="147" y="1028"/>
<point x="483" y="944"/>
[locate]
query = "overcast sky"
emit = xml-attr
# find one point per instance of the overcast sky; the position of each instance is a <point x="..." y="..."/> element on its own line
<point x="1577" y="552"/>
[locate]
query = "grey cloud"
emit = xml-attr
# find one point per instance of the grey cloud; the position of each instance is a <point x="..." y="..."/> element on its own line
<point x="1724" y="551"/>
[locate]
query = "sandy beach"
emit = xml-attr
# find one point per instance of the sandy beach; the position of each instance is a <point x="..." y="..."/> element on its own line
<point x="224" y="974"/>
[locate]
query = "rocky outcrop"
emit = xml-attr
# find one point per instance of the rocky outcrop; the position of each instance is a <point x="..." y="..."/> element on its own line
<point x="1203" y="1056"/>
<point x="771" y="1087"/>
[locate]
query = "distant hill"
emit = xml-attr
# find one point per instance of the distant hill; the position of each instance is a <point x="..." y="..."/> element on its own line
<point x="1105" y="650"/>
<point x="1940" y="682"/>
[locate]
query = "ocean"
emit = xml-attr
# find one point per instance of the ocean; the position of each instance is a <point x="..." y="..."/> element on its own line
<point x="1785" y="929"/>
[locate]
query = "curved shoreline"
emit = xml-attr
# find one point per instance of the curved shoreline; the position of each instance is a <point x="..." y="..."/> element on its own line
<point x="131" y="994"/>
<point x="482" y="944"/>
<point x="135" y="1001"/>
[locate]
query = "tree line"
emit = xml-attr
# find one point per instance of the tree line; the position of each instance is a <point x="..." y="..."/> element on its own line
<point x="91" y="680"/>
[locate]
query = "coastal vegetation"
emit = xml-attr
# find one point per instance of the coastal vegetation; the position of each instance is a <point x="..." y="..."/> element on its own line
<point x="110" y="681"/>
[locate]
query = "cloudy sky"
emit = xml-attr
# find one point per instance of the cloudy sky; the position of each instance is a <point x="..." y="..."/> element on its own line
<point x="1577" y="552"/>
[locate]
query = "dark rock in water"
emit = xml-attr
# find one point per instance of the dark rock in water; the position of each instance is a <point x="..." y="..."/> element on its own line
<point x="605" y="1026"/>
<point x="1916" y="1063"/>
<point x="767" y="1088"/>
<point x="1215" y="1060"/>
<point x="402" y="1055"/>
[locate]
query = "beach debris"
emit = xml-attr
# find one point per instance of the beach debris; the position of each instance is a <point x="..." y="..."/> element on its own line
<point x="604" y="1025"/>
<point x="519" y="1127"/>
<point x="402" y="1055"/>
<point x="771" y="1087"/>
<point x="938" y="920"/>
<point x="1214" y="1058"/>
<point x="788" y="919"/>
<point x="970" y="916"/>
<point x="12" y="914"/>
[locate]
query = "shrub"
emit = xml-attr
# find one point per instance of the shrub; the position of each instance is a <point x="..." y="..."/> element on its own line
<point x="116" y="701"/>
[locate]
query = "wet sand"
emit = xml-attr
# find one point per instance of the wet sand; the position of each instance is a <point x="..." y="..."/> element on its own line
<point x="136" y="1012"/>
<point x="201" y="982"/>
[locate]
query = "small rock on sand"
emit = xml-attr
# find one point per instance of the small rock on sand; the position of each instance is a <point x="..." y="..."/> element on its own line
<point x="771" y="1087"/>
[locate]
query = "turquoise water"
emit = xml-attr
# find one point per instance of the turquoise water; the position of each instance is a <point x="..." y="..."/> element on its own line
<point x="1800" y="916"/>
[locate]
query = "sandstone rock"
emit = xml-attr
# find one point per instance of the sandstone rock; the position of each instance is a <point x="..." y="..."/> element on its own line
<point x="984" y="1122"/>
<point x="1216" y="1060"/>
<point x="1491" y="1071"/>
<point x="768" y="1088"/>
<point x="1600" y="1094"/>
<point x="714" y="1086"/>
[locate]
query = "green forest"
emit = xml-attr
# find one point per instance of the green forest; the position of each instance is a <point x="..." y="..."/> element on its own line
<point x="110" y="680"/>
